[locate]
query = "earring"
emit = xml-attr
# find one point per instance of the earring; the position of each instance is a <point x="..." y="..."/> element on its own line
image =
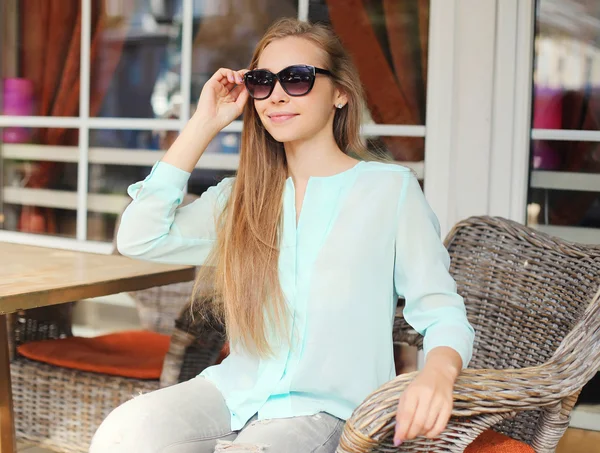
<point x="339" y="106"/>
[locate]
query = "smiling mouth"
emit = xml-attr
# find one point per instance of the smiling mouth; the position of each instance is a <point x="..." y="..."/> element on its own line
<point x="282" y="118"/>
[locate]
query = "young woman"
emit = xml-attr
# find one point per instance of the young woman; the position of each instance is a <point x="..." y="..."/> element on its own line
<point x="309" y="250"/>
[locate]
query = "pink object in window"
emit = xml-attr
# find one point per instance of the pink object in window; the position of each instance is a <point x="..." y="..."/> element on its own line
<point x="547" y="114"/>
<point x="17" y="100"/>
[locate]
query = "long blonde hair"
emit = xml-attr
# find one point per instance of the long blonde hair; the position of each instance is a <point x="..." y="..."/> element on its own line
<point x="245" y="292"/>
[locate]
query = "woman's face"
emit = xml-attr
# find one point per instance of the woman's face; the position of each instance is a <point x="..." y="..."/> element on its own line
<point x="296" y="118"/>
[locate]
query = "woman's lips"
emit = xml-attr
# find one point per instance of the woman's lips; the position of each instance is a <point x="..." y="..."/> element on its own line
<point x="280" y="118"/>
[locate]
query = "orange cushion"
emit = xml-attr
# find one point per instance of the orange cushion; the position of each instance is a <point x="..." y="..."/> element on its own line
<point x="490" y="441"/>
<point x="224" y="353"/>
<point x="134" y="354"/>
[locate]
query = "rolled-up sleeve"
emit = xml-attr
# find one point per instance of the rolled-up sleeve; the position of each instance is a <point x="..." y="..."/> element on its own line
<point x="433" y="307"/>
<point x="154" y="227"/>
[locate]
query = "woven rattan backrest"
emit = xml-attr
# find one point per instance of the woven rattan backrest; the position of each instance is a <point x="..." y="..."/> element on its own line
<point x="524" y="290"/>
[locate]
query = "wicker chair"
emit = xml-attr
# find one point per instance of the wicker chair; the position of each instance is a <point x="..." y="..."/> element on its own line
<point x="535" y="306"/>
<point x="60" y="408"/>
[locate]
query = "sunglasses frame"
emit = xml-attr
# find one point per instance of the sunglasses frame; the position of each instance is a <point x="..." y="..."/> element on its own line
<point x="277" y="78"/>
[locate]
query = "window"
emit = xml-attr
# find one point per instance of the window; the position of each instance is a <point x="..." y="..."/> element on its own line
<point x="89" y="106"/>
<point x="564" y="185"/>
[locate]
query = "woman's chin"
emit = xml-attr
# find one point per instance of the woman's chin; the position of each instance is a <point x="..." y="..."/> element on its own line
<point x="285" y="136"/>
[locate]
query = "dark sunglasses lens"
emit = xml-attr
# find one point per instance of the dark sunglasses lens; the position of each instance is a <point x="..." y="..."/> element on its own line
<point x="259" y="84"/>
<point x="297" y="81"/>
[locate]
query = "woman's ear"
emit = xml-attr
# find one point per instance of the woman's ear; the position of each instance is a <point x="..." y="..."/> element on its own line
<point x="340" y="98"/>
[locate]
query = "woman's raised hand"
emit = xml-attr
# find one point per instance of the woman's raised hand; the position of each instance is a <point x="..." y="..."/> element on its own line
<point x="223" y="98"/>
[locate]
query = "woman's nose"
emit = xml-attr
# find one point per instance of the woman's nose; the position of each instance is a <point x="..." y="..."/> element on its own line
<point x="278" y="95"/>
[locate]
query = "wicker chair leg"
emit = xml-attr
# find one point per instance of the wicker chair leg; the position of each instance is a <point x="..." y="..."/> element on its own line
<point x="569" y="403"/>
<point x="174" y="359"/>
<point x="551" y="427"/>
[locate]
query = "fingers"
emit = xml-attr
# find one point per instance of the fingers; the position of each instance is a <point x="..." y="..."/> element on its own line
<point x="224" y="80"/>
<point x="421" y="414"/>
<point x="431" y="416"/>
<point x="242" y="97"/>
<point x="419" y="418"/>
<point x="227" y="76"/>
<point x="404" y="416"/>
<point x="239" y="95"/>
<point x="236" y="91"/>
<point x="441" y="422"/>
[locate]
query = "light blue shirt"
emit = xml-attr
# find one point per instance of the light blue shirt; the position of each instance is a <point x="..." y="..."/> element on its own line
<point x="364" y="237"/>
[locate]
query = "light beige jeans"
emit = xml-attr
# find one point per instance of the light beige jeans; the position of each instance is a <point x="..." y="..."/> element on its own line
<point x="192" y="417"/>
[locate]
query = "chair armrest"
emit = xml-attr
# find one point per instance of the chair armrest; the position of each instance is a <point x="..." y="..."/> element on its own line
<point x="196" y="344"/>
<point x="158" y="307"/>
<point x="482" y="398"/>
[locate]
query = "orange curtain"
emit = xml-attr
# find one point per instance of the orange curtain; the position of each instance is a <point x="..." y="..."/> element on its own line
<point x="50" y="57"/>
<point x="391" y="58"/>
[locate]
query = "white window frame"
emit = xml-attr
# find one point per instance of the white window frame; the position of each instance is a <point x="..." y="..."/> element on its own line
<point x="84" y="155"/>
<point x="478" y="108"/>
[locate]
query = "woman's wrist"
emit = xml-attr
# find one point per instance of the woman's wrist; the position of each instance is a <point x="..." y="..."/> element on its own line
<point x="444" y="360"/>
<point x="204" y="125"/>
<point x="189" y="146"/>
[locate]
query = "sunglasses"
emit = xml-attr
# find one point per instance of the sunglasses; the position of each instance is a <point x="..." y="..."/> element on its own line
<point x="296" y="80"/>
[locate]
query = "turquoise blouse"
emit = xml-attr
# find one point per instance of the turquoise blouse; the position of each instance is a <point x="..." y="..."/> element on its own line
<point x="364" y="237"/>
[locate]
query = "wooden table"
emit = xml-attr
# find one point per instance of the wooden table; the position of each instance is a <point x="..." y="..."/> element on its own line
<point x="33" y="277"/>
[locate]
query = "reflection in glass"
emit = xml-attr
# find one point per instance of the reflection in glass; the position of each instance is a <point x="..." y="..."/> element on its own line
<point x="112" y="151"/>
<point x="566" y="96"/>
<point x="107" y="188"/>
<point x="380" y="146"/>
<point x="136" y="61"/>
<point x="567" y="164"/>
<point x="564" y="208"/>
<point x="388" y="40"/>
<point x="40" y="58"/>
<point x="39" y="186"/>
<point x="203" y="178"/>
<point x="119" y="158"/>
<point x="567" y="65"/>
<point x="110" y="172"/>
<point x="137" y="69"/>
<point x="226" y="32"/>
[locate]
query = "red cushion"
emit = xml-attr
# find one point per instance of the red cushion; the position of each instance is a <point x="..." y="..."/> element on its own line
<point x="490" y="441"/>
<point x="224" y="353"/>
<point x="134" y="354"/>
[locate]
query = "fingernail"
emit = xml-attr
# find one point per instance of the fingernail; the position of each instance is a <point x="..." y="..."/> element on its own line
<point x="397" y="442"/>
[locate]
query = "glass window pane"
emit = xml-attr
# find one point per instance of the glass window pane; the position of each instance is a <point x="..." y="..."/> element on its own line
<point x="119" y="158"/>
<point x="219" y="161"/>
<point x="387" y="147"/>
<point x="135" y="59"/>
<point x="39" y="181"/>
<point x="388" y="40"/>
<point x="40" y="57"/>
<point x="564" y="187"/>
<point x="226" y="32"/>
<point x="567" y="65"/>
<point x="564" y="192"/>
<point x="405" y="149"/>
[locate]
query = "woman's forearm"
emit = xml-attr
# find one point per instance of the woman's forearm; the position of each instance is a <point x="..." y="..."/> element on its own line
<point x="189" y="146"/>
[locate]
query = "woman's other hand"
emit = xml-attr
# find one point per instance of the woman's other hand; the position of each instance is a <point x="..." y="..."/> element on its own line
<point x="425" y="407"/>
